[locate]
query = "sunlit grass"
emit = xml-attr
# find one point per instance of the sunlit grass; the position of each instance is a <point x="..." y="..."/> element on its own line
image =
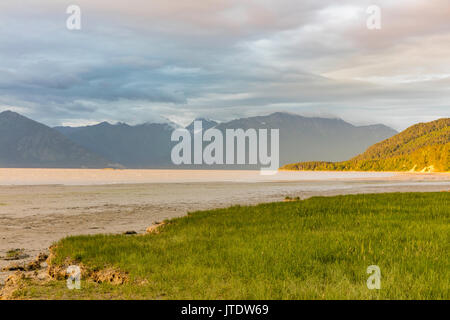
<point x="318" y="248"/>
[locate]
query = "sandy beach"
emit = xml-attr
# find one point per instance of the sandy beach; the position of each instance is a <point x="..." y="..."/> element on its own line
<point x="40" y="206"/>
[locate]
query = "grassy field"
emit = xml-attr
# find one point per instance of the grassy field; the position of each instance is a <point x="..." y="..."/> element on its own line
<point x="318" y="248"/>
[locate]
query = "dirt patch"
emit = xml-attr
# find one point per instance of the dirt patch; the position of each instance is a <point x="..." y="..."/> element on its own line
<point x="33" y="270"/>
<point x="107" y="275"/>
<point x="12" y="284"/>
<point x="110" y="275"/>
<point x="30" y="266"/>
<point x="155" y="228"/>
<point x="289" y="199"/>
<point x="41" y="269"/>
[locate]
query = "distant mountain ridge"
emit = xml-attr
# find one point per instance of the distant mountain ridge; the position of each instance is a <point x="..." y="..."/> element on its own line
<point x="149" y="145"/>
<point x="421" y="147"/>
<point x="313" y="138"/>
<point x="300" y="137"/>
<point x="138" y="146"/>
<point x="27" y="143"/>
<point x="206" y="124"/>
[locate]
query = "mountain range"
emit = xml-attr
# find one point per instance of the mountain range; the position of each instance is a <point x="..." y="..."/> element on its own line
<point x="141" y="146"/>
<point x="27" y="143"/>
<point x="422" y="147"/>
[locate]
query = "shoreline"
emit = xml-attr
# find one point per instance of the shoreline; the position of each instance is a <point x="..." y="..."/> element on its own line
<point x="33" y="217"/>
<point x="81" y="177"/>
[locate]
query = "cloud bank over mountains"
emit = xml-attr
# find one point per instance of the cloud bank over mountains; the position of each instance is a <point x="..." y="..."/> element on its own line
<point x="140" y="61"/>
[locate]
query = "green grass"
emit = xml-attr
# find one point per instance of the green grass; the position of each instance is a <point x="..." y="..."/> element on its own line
<point x="318" y="248"/>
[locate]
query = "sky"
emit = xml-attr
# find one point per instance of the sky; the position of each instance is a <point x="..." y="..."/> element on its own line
<point x="141" y="61"/>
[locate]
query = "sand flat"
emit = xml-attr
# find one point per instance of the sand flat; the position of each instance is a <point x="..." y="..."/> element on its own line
<point x="40" y="206"/>
<point x="31" y="176"/>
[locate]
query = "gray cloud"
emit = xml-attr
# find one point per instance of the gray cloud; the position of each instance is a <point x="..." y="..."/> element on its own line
<point x="139" y="60"/>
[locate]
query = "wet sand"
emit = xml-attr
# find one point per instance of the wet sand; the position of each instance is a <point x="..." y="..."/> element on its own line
<point x="132" y="176"/>
<point x="41" y="206"/>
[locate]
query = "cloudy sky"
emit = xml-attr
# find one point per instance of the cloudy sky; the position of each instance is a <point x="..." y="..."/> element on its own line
<point x="140" y="60"/>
